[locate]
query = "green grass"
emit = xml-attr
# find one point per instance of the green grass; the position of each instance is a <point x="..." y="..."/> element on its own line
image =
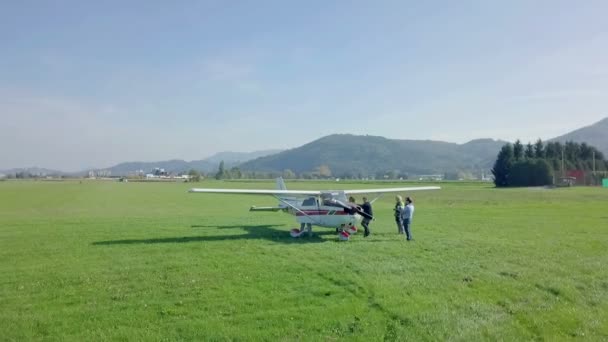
<point x="141" y="261"/>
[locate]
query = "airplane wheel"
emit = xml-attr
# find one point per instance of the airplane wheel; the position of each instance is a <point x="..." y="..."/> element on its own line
<point x="343" y="236"/>
<point x="352" y="230"/>
<point x="295" y="233"/>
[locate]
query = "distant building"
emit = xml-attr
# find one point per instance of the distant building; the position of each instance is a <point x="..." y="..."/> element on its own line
<point x="100" y="173"/>
<point x="159" y="172"/>
<point x="136" y="174"/>
<point x="429" y="177"/>
<point x="566" y="181"/>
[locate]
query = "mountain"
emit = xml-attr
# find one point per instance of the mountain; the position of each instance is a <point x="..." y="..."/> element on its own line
<point x="347" y="154"/>
<point x="595" y="135"/>
<point x="177" y="165"/>
<point x="36" y="171"/>
<point x="238" y="157"/>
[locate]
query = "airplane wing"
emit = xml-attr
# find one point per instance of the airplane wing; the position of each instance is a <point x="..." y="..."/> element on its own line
<point x="387" y="190"/>
<point x="308" y="192"/>
<point x="257" y="191"/>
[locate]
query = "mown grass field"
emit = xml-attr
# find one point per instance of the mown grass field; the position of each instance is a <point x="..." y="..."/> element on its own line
<point x="139" y="261"/>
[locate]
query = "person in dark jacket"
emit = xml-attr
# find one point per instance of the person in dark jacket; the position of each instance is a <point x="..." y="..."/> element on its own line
<point x="399" y="208"/>
<point x="353" y="203"/>
<point x="367" y="208"/>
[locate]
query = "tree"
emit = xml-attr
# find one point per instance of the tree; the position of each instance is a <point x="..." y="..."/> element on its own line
<point x="502" y="166"/>
<point x="585" y="152"/>
<point x="195" y="176"/>
<point x="518" y="150"/>
<point x="529" y="151"/>
<point x="553" y="150"/>
<point x="539" y="150"/>
<point x="221" y="172"/>
<point x="530" y="172"/>
<point x="571" y="151"/>
<point x="307" y="175"/>
<point x="598" y="155"/>
<point x="288" y="174"/>
<point x="323" y="171"/>
<point x="235" y="173"/>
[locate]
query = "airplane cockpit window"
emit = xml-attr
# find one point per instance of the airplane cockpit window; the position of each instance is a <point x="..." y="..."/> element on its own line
<point x="309" y="202"/>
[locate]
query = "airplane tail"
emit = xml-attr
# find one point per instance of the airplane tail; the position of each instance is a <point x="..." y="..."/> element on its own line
<point x="280" y="206"/>
<point x="281" y="184"/>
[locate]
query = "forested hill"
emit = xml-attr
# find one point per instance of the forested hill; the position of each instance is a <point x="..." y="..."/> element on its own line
<point x="594" y="135"/>
<point x="209" y="164"/>
<point x="352" y="155"/>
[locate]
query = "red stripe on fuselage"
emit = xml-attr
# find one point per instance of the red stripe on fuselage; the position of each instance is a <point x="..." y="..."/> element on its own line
<point x="320" y="212"/>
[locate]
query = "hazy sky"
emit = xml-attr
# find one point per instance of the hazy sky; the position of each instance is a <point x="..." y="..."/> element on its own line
<point x="93" y="83"/>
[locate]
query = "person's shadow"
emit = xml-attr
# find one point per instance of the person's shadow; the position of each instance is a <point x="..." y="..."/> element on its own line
<point x="253" y="232"/>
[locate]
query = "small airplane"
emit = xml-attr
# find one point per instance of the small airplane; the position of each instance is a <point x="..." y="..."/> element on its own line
<point x="329" y="209"/>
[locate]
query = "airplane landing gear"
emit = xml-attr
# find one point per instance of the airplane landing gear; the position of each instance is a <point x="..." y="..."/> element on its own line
<point x="343" y="233"/>
<point x="304" y="227"/>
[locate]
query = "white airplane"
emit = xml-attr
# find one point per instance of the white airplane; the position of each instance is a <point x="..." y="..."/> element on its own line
<point x="315" y="207"/>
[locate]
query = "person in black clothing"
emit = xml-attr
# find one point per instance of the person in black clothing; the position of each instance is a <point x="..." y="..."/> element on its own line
<point x="367" y="208"/>
<point x="353" y="203"/>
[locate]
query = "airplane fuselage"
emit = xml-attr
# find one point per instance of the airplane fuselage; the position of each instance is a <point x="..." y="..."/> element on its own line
<point x="310" y="210"/>
<point x="330" y="217"/>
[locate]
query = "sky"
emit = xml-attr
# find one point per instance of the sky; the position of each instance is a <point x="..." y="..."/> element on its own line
<point x="89" y="84"/>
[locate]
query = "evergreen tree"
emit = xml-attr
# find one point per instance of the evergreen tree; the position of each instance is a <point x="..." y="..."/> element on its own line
<point x="553" y="150"/>
<point x="518" y="150"/>
<point x="539" y="150"/>
<point x="221" y="172"/>
<point x="543" y="174"/>
<point x="530" y="172"/>
<point x="585" y="152"/>
<point x="598" y="155"/>
<point x="502" y="166"/>
<point x="571" y="151"/>
<point x="529" y="151"/>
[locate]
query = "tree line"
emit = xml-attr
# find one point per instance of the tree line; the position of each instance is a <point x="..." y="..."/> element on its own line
<point x="537" y="164"/>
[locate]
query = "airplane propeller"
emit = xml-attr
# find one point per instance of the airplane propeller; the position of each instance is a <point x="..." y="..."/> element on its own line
<point x="336" y="203"/>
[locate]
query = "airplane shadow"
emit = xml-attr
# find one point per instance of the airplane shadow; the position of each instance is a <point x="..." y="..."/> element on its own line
<point x="254" y="232"/>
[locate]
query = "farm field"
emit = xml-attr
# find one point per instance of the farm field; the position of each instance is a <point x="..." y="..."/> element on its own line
<point x="101" y="260"/>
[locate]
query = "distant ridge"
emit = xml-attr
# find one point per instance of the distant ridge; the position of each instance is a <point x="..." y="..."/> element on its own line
<point x="239" y="157"/>
<point x="34" y="170"/>
<point x="209" y="164"/>
<point x="356" y="155"/>
<point x="353" y="155"/>
<point x="595" y="135"/>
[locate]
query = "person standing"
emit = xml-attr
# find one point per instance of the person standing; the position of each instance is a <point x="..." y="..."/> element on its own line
<point x="352" y="202"/>
<point x="408" y="215"/>
<point x="367" y="208"/>
<point x="399" y="208"/>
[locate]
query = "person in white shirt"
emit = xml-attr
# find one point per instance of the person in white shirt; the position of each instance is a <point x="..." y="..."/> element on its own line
<point x="407" y="216"/>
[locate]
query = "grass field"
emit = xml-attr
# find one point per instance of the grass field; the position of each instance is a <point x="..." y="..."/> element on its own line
<point x="139" y="261"/>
